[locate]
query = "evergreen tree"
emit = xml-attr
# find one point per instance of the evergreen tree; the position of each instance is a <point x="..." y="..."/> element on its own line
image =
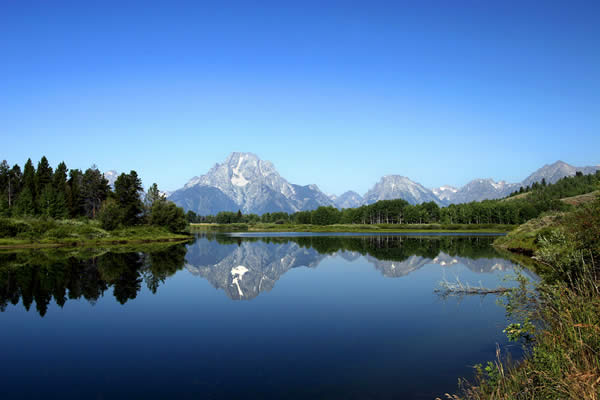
<point x="43" y="175"/>
<point x="94" y="190"/>
<point x="127" y="194"/>
<point x="152" y="196"/>
<point x="24" y="205"/>
<point x="46" y="199"/>
<point x="15" y="184"/>
<point x="59" y="183"/>
<point x="4" y="176"/>
<point x="60" y="177"/>
<point x="60" y="210"/>
<point x="29" y="180"/>
<point x="74" y="195"/>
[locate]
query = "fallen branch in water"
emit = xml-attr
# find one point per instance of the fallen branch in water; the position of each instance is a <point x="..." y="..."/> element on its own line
<point x="458" y="288"/>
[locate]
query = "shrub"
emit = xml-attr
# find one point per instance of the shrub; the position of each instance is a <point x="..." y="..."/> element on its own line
<point x="10" y="228"/>
<point x="110" y="215"/>
<point x="167" y="214"/>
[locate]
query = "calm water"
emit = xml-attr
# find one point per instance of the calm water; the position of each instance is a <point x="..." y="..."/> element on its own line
<point x="332" y="317"/>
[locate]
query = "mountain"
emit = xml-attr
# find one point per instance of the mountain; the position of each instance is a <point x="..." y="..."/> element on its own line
<point x="111" y="176"/>
<point x="245" y="182"/>
<point x="444" y="192"/>
<point x="487" y="189"/>
<point x="553" y="172"/>
<point x="348" y="199"/>
<point x="481" y="189"/>
<point x="400" y="187"/>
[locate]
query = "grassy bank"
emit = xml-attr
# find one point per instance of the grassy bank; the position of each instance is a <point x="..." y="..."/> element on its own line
<point x="558" y="322"/>
<point x="352" y="228"/>
<point x="38" y="233"/>
<point x="524" y="239"/>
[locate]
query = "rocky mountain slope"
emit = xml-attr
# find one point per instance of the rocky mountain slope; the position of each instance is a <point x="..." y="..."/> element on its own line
<point x="349" y="199"/>
<point x="245" y="182"/>
<point x="400" y="187"/>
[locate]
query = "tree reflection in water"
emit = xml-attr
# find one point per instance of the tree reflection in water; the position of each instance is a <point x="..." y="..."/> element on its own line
<point x="40" y="276"/>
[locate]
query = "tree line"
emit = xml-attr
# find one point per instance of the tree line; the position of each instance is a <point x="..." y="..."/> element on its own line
<point x="537" y="199"/>
<point x="72" y="193"/>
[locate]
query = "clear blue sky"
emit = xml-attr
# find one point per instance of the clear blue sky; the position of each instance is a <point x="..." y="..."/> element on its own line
<point x="333" y="93"/>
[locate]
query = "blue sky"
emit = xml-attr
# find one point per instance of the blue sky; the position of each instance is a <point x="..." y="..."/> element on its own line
<point x="333" y="93"/>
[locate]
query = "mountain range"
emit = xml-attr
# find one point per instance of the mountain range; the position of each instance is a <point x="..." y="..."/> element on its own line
<point x="247" y="183"/>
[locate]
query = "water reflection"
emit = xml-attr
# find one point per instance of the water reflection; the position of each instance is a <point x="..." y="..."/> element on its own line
<point x="40" y="276"/>
<point x="244" y="267"/>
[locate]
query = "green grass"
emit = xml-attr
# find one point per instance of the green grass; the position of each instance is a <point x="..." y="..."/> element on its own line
<point x="390" y="228"/>
<point x="39" y="232"/>
<point x="524" y="239"/>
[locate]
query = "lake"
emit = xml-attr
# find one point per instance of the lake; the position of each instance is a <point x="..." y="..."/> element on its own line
<point x="250" y="316"/>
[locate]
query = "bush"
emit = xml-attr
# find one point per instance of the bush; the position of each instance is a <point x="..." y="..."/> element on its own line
<point x="110" y="215"/>
<point x="168" y="215"/>
<point x="9" y="228"/>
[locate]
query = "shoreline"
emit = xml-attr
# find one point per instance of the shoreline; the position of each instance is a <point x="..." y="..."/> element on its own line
<point x="26" y="244"/>
<point x="419" y="228"/>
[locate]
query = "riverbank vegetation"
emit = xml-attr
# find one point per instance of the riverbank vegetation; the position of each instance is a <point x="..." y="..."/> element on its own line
<point x="559" y="322"/>
<point x="42" y="206"/>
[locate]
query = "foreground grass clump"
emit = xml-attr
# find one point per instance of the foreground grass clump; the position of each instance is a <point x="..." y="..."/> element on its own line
<point x="564" y="361"/>
<point x="559" y="321"/>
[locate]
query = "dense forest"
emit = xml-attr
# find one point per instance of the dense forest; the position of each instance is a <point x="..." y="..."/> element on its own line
<point x="521" y="206"/>
<point x="64" y="193"/>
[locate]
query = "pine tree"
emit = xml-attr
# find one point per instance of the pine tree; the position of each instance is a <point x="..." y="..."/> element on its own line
<point x="46" y="201"/>
<point x="29" y="180"/>
<point x="60" y="211"/>
<point x="94" y="189"/>
<point x="74" y="195"/>
<point x="127" y="194"/>
<point x="43" y="175"/>
<point x="15" y="184"/>
<point x="59" y="182"/>
<point x="25" y="205"/>
<point x="152" y="196"/>
<point x="4" y="177"/>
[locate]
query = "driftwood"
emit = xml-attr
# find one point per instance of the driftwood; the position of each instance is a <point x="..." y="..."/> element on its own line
<point x="458" y="289"/>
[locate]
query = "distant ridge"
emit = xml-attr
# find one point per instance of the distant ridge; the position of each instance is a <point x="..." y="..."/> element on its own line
<point x="483" y="189"/>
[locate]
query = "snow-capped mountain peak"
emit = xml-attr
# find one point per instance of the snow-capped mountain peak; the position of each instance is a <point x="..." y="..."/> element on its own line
<point x="399" y="187"/>
<point x="252" y="184"/>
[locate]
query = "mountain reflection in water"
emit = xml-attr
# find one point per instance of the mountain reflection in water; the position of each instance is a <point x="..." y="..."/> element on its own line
<point x="266" y="259"/>
<point x="242" y="267"/>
